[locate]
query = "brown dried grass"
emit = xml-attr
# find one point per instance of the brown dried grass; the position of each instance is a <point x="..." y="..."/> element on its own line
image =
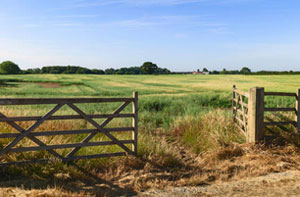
<point x="164" y="161"/>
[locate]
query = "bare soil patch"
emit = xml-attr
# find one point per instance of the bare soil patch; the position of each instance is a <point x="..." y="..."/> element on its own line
<point x="49" y="85"/>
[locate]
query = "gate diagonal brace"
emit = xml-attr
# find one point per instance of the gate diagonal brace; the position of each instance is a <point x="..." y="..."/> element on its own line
<point x="100" y="129"/>
<point x="26" y="133"/>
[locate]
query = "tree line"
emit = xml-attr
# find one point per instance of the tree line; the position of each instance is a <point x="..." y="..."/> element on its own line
<point x="9" y="67"/>
<point x="247" y="71"/>
<point x="244" y="71"/>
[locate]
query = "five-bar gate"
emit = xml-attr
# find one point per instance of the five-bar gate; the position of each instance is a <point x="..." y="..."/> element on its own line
<point x="32" y="134"/>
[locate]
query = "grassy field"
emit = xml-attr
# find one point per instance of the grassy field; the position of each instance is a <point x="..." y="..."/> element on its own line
<point x="160" y="85"/>
<point x="191" y="112"/>
<point x="165" y="100"/>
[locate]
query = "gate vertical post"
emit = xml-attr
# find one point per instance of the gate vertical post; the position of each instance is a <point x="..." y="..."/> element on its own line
<point x="256" y="115"/>
<point x="297" y="119"/>
<point x="135" y="110"/>
<point x="233" y="102"/>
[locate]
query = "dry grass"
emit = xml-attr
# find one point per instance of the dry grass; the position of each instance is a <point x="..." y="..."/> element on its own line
<point x="210" y="131"/>
<point x="21" y="192"/>
<point x="194" y="151"/>
<point x="131" y="175"/>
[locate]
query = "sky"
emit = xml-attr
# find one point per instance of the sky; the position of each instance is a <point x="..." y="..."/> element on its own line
<point x="181" y="35"/>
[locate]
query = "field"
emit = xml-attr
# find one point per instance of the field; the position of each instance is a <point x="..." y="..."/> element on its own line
<point x="147" y="86"/>
<point x="186" y="133"/>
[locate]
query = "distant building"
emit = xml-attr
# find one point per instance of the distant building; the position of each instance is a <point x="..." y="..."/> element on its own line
<point x="200" y="73"/>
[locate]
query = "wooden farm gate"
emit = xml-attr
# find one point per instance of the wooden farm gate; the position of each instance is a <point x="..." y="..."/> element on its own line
<point x="240" y="109"/>
<point x="32" y="134"/>
<point x="249" y="109"/>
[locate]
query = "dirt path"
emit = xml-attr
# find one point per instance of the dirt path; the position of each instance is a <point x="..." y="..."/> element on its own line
<point x="274" y="184"/>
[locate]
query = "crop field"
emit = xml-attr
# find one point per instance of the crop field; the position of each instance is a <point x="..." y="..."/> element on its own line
<point x="189" y="112"/>
<point x="146" y="85"/>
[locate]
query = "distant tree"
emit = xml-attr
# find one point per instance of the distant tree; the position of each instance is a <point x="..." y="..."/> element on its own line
<point x="214" y="72"/>
<point x="149" y="68"/>
<point x="98" y="71"/>
<point x="36" y="70"/>
<point x="224" y="71"/>
<point x="121" y="71"/>
<point x="245" y="70"/>
<point x="83" y="71"/>
<point x="32" y="71"/>
<point x="134" y="70"/>
<point x="109" y="71"/>
<point x="204" y="70"/>
<point x="162" y="71"/>
<point x="8" y="67"/>
<point x="198" y="70"/>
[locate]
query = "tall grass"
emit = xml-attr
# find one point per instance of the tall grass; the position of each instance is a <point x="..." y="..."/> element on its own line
<point x="207" y="132"/>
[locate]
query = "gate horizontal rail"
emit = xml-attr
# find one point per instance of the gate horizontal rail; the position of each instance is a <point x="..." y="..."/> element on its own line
<point x="69" y="117"/>
<point x="40" y="101"/>
<point x="280" y="94"/>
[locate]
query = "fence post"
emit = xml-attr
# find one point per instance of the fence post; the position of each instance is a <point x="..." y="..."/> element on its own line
<point x="256" y="115"/>
<point x="135" y="109"/>
<point x="233" y="102"/>
<point x="297" y="119"/>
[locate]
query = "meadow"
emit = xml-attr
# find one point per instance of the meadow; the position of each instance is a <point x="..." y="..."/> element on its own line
<point x="189" y="112"/>
<point x="146" y="85"/>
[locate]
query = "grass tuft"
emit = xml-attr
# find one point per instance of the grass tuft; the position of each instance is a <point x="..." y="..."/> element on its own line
<point x="210" y="131"/>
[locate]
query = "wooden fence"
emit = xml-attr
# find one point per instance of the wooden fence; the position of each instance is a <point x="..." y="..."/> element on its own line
<point x="249" y="117"/>
<point x="32" y="134"/>
<point x="240" y="109"/>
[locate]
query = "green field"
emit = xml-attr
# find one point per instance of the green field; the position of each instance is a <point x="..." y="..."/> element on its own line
<point x="176" y="94"/>
<point x="157" y="85"/>
<point x="192" y="110"/>
<point x="164" y="100"/>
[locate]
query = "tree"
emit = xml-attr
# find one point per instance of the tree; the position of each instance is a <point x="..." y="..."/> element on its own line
<point x="214" y="72"/>
<point x="149" y="68"/>
<point x="110" y="71"/>
<point x="204" y="70"/>
<point x="245" y="70"/>
<point x="81" y="70"/>
<point x="9" y="67"/>
<point x="162" y="71"/>
<point x="32" y="71"/>
<point x="98" y="71"/>
<point x="224" y="71"/>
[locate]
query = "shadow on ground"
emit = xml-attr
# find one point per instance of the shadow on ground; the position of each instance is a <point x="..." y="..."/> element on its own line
<point x="88" y="184"/>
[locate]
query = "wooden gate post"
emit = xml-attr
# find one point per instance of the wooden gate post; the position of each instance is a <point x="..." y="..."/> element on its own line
<point x="256" y="115"/>
<point x="297" y="119"/>
<point x="135" y="110"/>
<point x="233" y="102"/>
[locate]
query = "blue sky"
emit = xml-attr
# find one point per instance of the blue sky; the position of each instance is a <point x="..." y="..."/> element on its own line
<point x="181" y="35"/>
